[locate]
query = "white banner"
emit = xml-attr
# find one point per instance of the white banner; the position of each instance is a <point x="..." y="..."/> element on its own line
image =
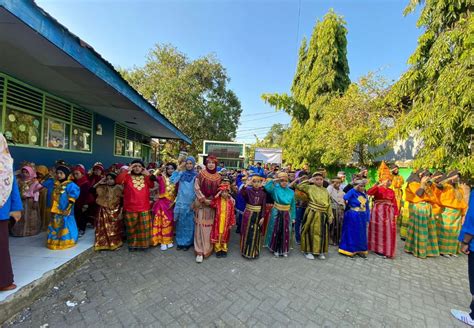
<point x="269" y="155"/>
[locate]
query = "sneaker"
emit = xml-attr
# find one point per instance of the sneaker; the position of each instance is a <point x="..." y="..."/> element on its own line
<point x="163" y="247"/>
<point x="218" y="254"/>
<point x="285" y="255"/>
<point x="463" y="316"/>
<point x="223" y="254"/>
<point x="170" y="245"/>
<point x="81" y="233"/>
<point x="276" y="254"/>
<point x="199" y="259"/>
<point x="322" y="257"/>
<point x="179" y="247"/>
<point x="309" y="256"/>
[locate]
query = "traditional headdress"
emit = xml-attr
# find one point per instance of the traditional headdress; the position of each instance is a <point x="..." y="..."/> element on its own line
<point x="318" y="174"/>
<point x="283" y="175"/>
<point x="42" y="169"/>
<point x="212" y="158"/>
<point x="64" y="169"/>
<point x="384" y="172"/>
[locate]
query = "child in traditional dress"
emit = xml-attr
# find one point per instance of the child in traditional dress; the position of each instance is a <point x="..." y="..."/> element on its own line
<point x="30" y="222"/>
<point x="86" y="200"/>
<point x="162" y="227"/>
<point x="109" y="225"/>
<point x="46" y="194"/>
<point x="224" y="219"/>
<point x="62" y="229"/>
<point x="137" y="183"/>
<point x="283" y="214"/>
<point x="253" y="217"/>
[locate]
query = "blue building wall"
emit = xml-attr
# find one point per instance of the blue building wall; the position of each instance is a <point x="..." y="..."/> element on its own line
<point x="102" y="150"/>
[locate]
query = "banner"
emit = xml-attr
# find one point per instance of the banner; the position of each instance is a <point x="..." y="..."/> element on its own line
<point x="269" y="155"/>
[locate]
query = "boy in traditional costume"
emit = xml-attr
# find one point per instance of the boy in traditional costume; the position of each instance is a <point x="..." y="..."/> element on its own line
<point x="301" y="201"/>
<point x="338" y="205"/>
<point x="162" y="228"/>
<point x="30" y="222"/>
<point x="223" y="204"/>
<point x="109" y="224"/>
<point x="421" y="240"/>
<point x="383" y="227"/>
<point x="252" y="220"/>
<point x="62" y="229"/>
<point x="86" y="200"/>
<point x="206" y="187"/>
<point x="137" y="183"/>
<point x="183" y="213"/>
<point x="317" y="217"/>
<point x="283" y="213"/>
<point x="357" y="215"/>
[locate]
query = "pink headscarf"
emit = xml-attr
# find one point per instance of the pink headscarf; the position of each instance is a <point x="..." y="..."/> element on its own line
<point x="31" y="172"/>
<point x="6" y="171"/>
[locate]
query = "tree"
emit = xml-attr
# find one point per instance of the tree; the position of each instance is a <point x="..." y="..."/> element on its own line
<point x="193" y="94"/>
<point x="435" y="95"/>
<point x="322" y="73"/>
<point x="354" y="126"/>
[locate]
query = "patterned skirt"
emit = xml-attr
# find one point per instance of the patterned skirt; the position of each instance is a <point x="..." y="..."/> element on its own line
<point x="62" y="232"/>
<point x="250" y="235"/>
<point x="109" y="229"/>
<point x="314" y="232"/>
<point x="383" y="230"/>
<point x="202" y="230"/>
<point x="422" y="240"/>
<point x="138" y="229"/>
<point x="30" y="222"/>
<point x="162" y="226"/>
<point x="335" y="228"/>
<point x="277" y="237"/>
<point x="448" y="228"/>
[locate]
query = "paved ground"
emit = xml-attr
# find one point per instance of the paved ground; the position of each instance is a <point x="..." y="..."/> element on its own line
<point x="157" y="288"/>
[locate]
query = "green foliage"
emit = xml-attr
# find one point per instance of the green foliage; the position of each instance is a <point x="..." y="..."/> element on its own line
<point x="193" y="94"/>
<point x="435" y="95"/>
<point x="322" y="73"/>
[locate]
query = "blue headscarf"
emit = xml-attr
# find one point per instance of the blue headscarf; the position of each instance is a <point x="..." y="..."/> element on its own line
<point x="189" y="175"/>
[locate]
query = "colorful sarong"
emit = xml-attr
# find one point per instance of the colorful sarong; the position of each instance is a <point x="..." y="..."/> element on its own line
<point x="448" y="228"/>
<point x="162" y="226"/>
<point x="250" y="234"/>
<point x="277" y="237"/>
<point x="383" y="229"/>
<point x="202" y="231"/>
<point x="138" y="229"/>
<point x="335" y="228"/>
<point x="314" y="232"/>
<point x="108" y="230"/>
<point x="62" y="232"/>
<point x="422" y="240"/>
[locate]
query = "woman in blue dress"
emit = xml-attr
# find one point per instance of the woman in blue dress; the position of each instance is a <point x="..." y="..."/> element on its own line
<point x="356" y="218"/>
<point x="277" y="237"/>
<point x="62" y="229"/>
<point x="183" y="211"/>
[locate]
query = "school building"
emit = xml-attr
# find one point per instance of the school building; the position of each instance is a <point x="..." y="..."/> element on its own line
<point x="60" y="99"/>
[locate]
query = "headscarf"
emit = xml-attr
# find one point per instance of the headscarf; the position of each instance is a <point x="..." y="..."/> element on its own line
<point x="6" y="171"/>
<point x="31" y="172"/>
<point x="42" y="169"/>
<point x="212" y="159"/>
<point x="189" y="175"/>
<point x="84" y="178"/>
<point x="96" y="178"/>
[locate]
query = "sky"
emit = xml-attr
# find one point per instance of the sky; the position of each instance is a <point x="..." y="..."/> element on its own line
<point x="257" y="41"/>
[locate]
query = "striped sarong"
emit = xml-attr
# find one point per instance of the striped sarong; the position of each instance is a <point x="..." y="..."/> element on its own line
<point x="138" y="229"/>
<point x="422" y="240"/>
<point x="448" y="228"/>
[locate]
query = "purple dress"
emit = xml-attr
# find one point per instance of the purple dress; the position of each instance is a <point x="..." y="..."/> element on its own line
<point x="250" y="234"/>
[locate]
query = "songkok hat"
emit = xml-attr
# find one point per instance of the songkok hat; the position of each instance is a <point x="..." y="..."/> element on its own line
<point x="318" y="174"/>
<point x="384" y="172"/>
<point x="64" y="169"/>
<point x="336" y="179"/>
<point x="358" y="182"/>
<point x="283" y="175"/>
<point x="138" y="161"/>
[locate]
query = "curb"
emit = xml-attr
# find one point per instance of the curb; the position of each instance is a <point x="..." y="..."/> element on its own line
<point x="25" y="296"/>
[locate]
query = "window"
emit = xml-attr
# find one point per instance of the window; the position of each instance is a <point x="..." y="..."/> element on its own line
<point x="130" y="143"/>
<point x="34" y="118"/>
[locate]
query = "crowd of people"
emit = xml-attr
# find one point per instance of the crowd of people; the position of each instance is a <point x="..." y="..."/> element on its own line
<point x="182" y="204"/>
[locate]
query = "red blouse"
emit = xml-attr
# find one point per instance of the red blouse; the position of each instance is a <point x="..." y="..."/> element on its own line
<point x="136" y="191"/>
<point x="382" y="194"/>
